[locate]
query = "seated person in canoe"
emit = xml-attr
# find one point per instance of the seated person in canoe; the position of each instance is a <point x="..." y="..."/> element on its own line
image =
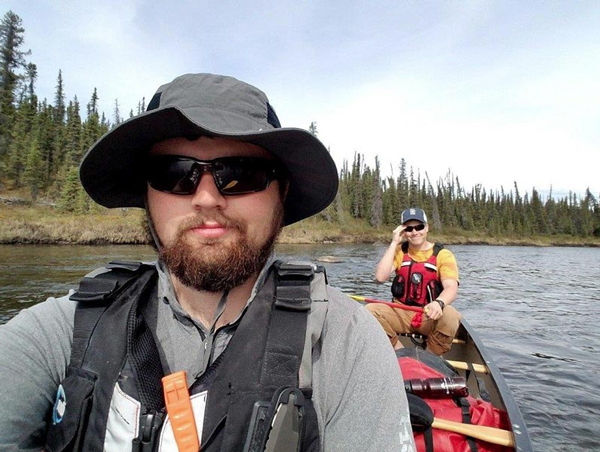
<point x="426" y="275"/>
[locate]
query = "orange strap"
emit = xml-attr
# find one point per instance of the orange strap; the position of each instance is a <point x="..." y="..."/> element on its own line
<point x="179" y="408"/>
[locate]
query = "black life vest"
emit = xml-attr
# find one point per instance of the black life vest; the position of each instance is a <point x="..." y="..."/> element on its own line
<point x="417" y="283"/>
<point x="114" y="354"/>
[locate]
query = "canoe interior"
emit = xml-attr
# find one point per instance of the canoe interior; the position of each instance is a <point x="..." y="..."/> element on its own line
<point x="468" y="348"/>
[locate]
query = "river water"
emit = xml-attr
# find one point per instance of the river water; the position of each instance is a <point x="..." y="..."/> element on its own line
<point x="533" y="308"/>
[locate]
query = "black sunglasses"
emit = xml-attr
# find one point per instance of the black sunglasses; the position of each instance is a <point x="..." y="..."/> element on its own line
<point x="418" y="227"/>
<point x="232" y="175"/>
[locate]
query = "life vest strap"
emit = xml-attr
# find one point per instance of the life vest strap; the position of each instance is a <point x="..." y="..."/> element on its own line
<point x="278" y="425"/>
<point x="101" y="285"/>
<point x="96" y="292"/>
<point x="293" y="285"/>
<point x="466" y="419"/>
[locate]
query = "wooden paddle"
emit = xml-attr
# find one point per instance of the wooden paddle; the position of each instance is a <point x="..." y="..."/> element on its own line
<point x="421" y="418"/>
<point x="393" y="305"/>
<point x="479" y="368"/>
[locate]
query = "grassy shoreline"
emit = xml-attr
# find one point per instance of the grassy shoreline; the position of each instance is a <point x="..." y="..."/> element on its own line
<point x="43" y="225"/>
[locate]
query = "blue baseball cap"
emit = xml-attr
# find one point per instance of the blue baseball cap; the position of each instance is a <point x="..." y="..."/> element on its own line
<point x="413" y="213"/>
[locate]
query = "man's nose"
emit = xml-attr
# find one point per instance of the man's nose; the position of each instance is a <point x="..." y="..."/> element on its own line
<point x="207" y="195"/>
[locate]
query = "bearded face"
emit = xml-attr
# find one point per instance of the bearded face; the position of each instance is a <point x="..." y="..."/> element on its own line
<point x="211" y="241"/>
<point x="216" y="265"/>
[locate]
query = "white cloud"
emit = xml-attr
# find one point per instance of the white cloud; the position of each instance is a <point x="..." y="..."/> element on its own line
<point x="494" y="91"/>
<point x="382" y="120"/>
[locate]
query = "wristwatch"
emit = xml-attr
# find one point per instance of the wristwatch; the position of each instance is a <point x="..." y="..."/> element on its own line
<point x="441" y="303"/>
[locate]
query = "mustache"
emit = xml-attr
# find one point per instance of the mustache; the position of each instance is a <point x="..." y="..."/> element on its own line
<point x="200" y="219"/>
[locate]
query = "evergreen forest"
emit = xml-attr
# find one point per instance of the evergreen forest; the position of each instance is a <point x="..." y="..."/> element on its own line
<point x="42" y="142"/>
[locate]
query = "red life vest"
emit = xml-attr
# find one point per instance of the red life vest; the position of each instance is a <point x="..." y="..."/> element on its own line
<point x="417" y="283"/>
<point x="481" y="413"/>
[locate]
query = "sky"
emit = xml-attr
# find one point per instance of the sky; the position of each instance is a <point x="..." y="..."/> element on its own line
<point x="491" y="92"/>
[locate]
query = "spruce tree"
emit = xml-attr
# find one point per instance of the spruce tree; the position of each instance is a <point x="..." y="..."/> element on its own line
<point x="12" y="60"/>
<point x="141" y="107"/>
<point x="20" y="138"/>
<point x="435" y="219"/>
<point x="92" y="106"/>
<point x="117" y="113"/>
<point x="33" y="177"/>
<point x="538" y="214"/>
<point x="29" y="79"/>
<point x="376" y="211"/>
<point x="69" y="194"/>
<point x="389" y="198"/>
<point x="59" y="100"/>
<point x="73" y="135"/>
<point x="354" y="187"/>
<point x="46" y="136"/>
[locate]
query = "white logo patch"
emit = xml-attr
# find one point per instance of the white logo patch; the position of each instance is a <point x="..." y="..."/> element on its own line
<point x="60" y="405"/>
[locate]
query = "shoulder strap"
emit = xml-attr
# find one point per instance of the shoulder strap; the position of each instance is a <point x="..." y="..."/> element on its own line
<point x="436" y="248"/>
<point x="404" y="247"/>
<point x="96" y="292"/>
<point x="316" y="318"/>
<point x="289" y="320"/>
<point x="101" y="284"/>
<point x="286" y="356"/>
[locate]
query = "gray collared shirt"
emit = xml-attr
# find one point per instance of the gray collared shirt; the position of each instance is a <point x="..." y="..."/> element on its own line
<point x="184" y="342"/>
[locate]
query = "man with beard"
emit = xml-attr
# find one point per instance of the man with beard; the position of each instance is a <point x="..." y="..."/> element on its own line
<point x="426" y="275"/>
<point x="253" y="354"/>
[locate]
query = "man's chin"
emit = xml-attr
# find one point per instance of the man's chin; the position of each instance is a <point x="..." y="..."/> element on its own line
<point x="215" y="268"/>
<point x="216" y="264"/>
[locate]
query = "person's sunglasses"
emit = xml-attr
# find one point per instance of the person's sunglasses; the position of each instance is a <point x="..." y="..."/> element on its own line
<point x="232" y="175"/>
<point x="418" y="227"/>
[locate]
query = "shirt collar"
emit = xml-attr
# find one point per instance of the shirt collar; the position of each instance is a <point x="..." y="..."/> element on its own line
<point x="167" y="293"/>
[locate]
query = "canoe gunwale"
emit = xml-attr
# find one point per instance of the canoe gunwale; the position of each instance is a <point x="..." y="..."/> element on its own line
<point x="518" y="426"/>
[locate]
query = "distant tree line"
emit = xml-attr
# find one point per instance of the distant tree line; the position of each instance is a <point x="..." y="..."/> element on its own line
<point x="365" y="194"/>
<point x="42" y="143"/>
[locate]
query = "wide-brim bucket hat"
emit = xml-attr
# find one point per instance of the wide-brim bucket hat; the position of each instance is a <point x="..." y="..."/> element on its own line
<point x="112" y="171"/>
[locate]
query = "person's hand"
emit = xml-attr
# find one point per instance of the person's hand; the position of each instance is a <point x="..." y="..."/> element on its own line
<point x="433" y="310"/>
<point x="397" y="234"/>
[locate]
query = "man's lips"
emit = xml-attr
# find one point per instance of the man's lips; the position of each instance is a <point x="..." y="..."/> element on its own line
<point x="210" y="230"/>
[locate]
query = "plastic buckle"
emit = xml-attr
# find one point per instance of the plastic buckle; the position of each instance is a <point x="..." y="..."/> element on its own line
<point x="259" y="427"/>
<point x="287" y="426"/>
<point x="296" y="271"/>
<point x="277" y="426"/>
<point x="94" y="290"/>
<point x="150" y="423"/>
<point x="293" y="286"/>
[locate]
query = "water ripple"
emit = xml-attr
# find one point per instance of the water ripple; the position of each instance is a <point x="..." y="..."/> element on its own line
<point x="535" y="319"/>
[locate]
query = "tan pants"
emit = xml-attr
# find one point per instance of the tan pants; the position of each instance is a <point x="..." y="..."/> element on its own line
<point x="439" y="332"/>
